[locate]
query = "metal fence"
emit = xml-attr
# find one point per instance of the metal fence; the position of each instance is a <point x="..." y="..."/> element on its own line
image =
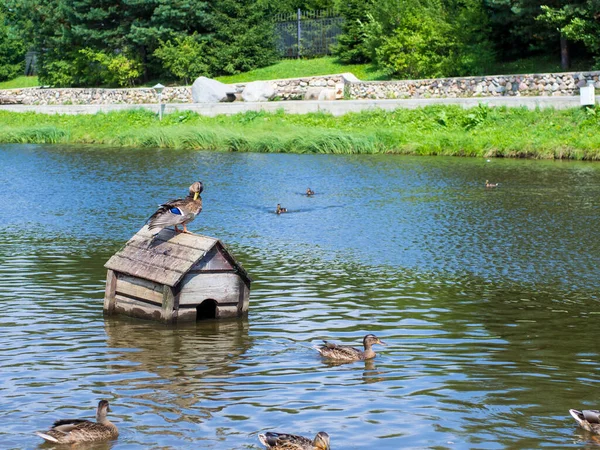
<point x="307" y="33"/>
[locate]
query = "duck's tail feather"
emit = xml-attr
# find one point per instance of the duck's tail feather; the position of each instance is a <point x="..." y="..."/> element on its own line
<point x="318" y="348"/>
<point x="46" y="437"/>
<point x="263" y="440"/>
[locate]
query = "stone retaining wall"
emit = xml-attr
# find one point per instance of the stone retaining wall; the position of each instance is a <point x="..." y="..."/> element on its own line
<point x="555" y="84"/>
<point x="92" y="96"/>
<point x="340" y="86"/>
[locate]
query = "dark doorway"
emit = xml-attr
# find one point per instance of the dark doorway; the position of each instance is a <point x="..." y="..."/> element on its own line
<point x="206" y="310"/>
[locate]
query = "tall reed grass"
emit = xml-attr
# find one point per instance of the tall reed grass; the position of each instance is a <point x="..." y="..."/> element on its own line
<point x="435" y="130"/>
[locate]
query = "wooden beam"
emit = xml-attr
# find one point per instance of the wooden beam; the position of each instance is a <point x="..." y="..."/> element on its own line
<point x="168" y="305"/>
<point x="109" y="293"/>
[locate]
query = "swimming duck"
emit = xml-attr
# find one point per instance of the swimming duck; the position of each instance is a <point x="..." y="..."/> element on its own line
<point x="73" y="431"/>
<point x="349" y="353"/>
<point x="280" y="210"/>
<point x="490" y="185"/>
<point x="588" y="419"/>
<point x="178" y="212"/>
<point x="282" y="441"/>
<point x="309" y="192"/>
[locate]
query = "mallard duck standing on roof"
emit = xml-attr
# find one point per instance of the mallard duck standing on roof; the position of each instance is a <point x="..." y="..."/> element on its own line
<point x="74" y="431"/>
<point x="349" y="353"/>
<point x="178" y="212"/>
<point x="282" y="441"/>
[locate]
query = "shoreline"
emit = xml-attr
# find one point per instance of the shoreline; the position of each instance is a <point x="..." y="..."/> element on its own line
<point x="435" y="129"/>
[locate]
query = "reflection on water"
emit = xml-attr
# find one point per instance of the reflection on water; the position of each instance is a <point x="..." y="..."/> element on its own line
<point x="487" y="299"/>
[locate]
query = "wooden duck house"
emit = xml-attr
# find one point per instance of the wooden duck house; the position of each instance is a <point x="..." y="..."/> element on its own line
<point x="174" y="277"/>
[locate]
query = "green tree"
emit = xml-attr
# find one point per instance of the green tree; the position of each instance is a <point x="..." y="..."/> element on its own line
<point x="351" y="45"/>
<point x="575" y="21"/>
<point x="236" y="35"/>
<point x="428" y="38"/>
<point x="12" y="50"/>
<point x="515" y="30"/>
<point x="242" y="36"/>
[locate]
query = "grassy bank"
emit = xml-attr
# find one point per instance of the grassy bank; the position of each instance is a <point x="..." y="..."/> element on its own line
<point x="294" y="68"/>
<point x="20" y="82"/>
<point x="437" y="130"/>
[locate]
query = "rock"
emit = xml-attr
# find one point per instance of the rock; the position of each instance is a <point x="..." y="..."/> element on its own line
<point x="327" y="94"/>
<point x="312" y="93"/>
<point x="8" y="100"/>
<point x="207" y="90"/>
<point x="258" y="91"/>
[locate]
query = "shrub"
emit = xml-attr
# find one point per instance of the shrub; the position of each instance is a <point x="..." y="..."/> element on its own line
<point x="185" y="59"/>
<point x="112" y="69"/>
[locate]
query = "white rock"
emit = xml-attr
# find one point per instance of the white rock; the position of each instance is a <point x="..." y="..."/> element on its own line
<point x="258" y="91"/>
<point x="313" y="93"/>
<point x="326" y="94"/>
<point x="207" y="90"/>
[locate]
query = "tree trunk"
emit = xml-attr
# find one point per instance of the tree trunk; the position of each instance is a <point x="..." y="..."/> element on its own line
<point x="565" y="61"/>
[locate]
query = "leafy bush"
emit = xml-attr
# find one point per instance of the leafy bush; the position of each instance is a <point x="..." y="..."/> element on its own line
<point x="57" y="72"/>
<point x="429" y="38"/>
<point x="419" y="49"/>
<point x="185" y="59"/>
<point x="112" y="69"/>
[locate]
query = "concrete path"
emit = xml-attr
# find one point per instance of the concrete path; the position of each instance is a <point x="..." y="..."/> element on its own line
<point x="335" y="107"/>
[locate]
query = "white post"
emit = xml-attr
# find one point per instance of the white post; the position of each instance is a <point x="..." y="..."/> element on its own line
<point x="160" y="106"/>
<point x="158" y="88"/>
<point x="587" y="94"/>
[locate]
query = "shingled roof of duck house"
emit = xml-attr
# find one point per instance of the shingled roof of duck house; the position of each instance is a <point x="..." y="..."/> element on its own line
<point x="174" y="277"/>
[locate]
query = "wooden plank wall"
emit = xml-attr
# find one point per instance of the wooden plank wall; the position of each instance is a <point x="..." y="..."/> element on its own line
<point x="222" y="287"/>
<point x="139" y="289"/>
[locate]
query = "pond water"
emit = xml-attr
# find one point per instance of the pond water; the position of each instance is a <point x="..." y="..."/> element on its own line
<point x="488" y="300"/>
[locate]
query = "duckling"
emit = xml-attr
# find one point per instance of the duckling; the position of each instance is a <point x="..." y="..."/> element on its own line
<point x="349" y="353"/>
<point x="178" y="212"/>
<point x="588" y="419"/>
<point x="309" y="192"/>
<point x="74" y="431"/>
<point x="280" y="210"/>
<point x="490" y="185"/>
<point x="282" y="441"/>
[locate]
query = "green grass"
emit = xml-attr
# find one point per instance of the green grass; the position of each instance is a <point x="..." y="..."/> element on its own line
<point x="20" y="82"/>
<point x="434" y="130"/>
<point x="539" y="64"/>
<point x="297" y="68"/>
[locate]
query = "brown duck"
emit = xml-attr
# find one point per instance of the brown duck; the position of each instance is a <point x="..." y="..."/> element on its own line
<point x="178" y="212"/>
<point x="74" y="431"/>
<point x="280" y="210"/>
<point x="349" y="353"/>
<point x="588" y="419"/>
<point x="282" y="441"/>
